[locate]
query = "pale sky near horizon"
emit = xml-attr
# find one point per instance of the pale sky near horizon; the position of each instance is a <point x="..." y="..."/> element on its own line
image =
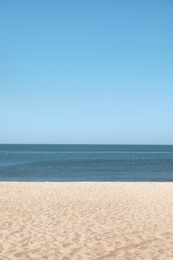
<point x="86" y="72"/>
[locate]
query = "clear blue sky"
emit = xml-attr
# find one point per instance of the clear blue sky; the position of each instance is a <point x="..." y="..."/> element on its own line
<point x="86" y="71"/>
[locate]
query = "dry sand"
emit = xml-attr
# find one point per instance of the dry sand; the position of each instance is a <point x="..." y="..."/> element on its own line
<point x="86" y="221"/>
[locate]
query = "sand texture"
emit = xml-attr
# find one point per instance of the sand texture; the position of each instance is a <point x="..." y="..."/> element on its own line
<point x="86" y="221"/>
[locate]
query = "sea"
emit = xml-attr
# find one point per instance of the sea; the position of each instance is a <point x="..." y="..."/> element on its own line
<point x="73" y="163"/>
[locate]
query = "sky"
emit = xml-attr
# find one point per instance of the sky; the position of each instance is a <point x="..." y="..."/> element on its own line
<point x="86" y="72"/>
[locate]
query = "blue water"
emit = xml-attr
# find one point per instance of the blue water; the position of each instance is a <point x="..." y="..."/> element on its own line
<point x="86" y="163"/>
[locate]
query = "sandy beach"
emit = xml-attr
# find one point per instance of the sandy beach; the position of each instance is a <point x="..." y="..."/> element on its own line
<point x="86" y="221"/>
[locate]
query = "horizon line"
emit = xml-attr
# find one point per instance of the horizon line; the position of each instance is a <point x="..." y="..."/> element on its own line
<point x="78" y="144"/>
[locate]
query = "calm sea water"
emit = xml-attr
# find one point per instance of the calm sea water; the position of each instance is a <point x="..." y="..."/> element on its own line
<point x="86" y="163"/>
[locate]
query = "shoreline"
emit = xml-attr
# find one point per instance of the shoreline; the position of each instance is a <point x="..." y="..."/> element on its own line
<point x="86" y="220"/>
